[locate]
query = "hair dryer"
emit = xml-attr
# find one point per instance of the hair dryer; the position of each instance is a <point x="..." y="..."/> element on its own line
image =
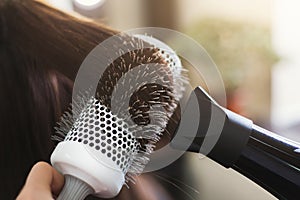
<point x="266" y="158"/>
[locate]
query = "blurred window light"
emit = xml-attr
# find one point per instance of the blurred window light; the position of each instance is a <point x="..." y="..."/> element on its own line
<point x="88" y="4"/>
<point x="285" y="76"/>
<point x="65" y="6"/>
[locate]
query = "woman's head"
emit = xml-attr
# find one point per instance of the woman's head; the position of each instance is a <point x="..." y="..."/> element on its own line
<point x="30" y="103"/>
<point x="41" y="51"/>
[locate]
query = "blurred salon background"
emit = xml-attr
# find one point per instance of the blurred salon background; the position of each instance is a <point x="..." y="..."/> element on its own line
<point x="256" y="46"/>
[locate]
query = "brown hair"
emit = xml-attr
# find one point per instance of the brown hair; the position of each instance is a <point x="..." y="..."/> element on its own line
<point x="41" y="51"/>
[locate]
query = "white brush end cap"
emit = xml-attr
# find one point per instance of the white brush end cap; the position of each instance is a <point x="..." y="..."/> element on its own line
<point x="75" y="159"/>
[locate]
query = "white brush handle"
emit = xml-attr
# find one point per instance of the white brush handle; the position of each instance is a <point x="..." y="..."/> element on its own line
<point x="74" y="189"/>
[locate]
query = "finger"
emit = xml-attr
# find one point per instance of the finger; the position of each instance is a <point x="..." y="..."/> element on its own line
<point x="58" y="182"/>
<point x="40" y="176"/>
<point x="46" y="177"/>
<point x="37" y="184"/>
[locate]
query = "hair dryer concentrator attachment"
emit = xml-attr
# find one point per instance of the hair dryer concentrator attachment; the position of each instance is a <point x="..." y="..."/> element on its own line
<point x="266" y="158"/>
<point x="234" y="133"/>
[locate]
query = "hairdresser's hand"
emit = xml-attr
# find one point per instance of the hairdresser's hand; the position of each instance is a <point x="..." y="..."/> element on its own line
<point x="43" y="182"/>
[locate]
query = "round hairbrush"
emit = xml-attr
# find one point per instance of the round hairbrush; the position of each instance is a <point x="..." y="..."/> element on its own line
<point x="107" y="144"/>
<point x="97" y="153"/>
